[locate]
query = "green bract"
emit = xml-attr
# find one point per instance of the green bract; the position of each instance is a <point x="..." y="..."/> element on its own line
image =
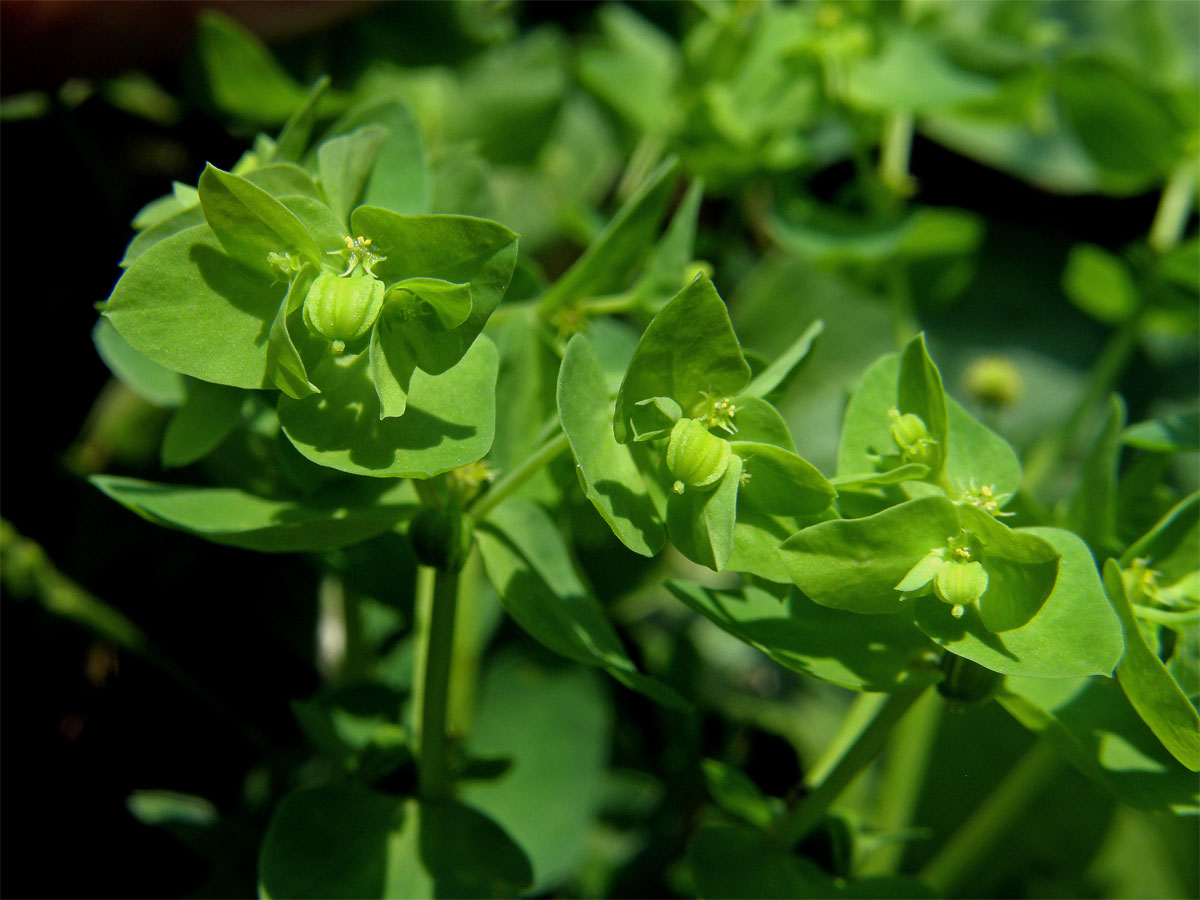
<point x="272" y="291"/>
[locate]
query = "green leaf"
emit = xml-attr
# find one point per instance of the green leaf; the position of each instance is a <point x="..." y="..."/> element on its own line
<point x="1092" y="511"/>
<point x="920" y="392"/>
<point x="774" y="379"/>
<point x="244" y="79"/>
<point x="1152" y="690"/>
<point x="1091" y="723"/>
<point x="757" y="420"/>
<point x="399" y="180"/>
<point x="831" y="238"/>
<point x="228" y="516"/>
<point x="872" y="653"/>
<point x="391" y="365"/>
<point x="666" y="270"/>
<point x="554" y="721"/>
<point x="250" y="223"/>
<point x="292" y="142"/>
<point x="872" y="480"/>
<point x="1100" y="284"/>
<point x="448" y="422"/>
<point x="974" y="454"/>
<point x="344" y="164"/>
<point x="458" y="249"/>
<point x="1125" y="125"/>
<point x="209" y="412"/>
<point x="284" y="179"/>
<point x="610" y="477"/>
<point x="285" y="365"/>
<point x="735" y="793"/>
<point x="326" y="229"/>
<point x="1021" y="568"/>
<point x="912" y="75"/>
<point x="738" y="861"/>
<point x="449" y="302"/>
<point x="688" y="353"/>
<point x="855" y="564"/>
<point x="1172" y="546"/>
<point x="607" y="264"/>
<point x="1075" y="633"/>
<point x="342" y="841"/>
<point x="356" y="726"/>
<point x="1171" y="434"/>
<point x="701" y="522"/>
<point x="189" y="307"/>
<point x="779" y="490"/>
<point x="634" y="69"/>
<point x="529" y="565"/>
<point x="144" y="240"/>
<point x="155" y="384"/>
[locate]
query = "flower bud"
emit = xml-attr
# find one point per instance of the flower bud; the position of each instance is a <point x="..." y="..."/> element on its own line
<point x="343" y="309"/>
<point x="695" y="458"/>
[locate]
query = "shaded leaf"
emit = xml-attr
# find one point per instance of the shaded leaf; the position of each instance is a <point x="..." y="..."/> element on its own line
<point x="229" y="516"/>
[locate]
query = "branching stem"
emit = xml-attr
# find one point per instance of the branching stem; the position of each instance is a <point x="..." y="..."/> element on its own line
<point x="805" y="816"/>
<point x="508" y="485"/>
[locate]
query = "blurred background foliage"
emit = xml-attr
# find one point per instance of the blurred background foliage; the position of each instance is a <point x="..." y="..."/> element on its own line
<point x="1015" y="178"/>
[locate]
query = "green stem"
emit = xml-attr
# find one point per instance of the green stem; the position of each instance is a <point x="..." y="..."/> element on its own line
<point x="610" y="305"/>
<point x="1174" y="207"/>
<point x="895" y="152"/>
<point x="862" y="711"/>
<point x="510" y="483"/>
<point x="902" y="779"/>
<point x="437" y="596"/>
<point x="904" y="319"/>
<point x="645" y="156"/>
<point x="974" y="840"/>
<point x="805" y="816"/>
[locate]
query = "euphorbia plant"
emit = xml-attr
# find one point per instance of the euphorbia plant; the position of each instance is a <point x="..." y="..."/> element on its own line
<point x="394" y="368"/>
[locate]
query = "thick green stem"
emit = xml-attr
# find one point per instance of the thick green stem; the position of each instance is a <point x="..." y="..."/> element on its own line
<point x="902" y="779"/>
<point x="510" y="483"/>
<point x="990" y="821"/>
<point x="805" y="816"/>
<point x="437" y="596"/>
<point x="1174" y="207"/>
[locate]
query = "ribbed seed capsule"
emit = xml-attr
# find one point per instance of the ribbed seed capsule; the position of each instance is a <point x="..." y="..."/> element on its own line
<point x="960" y="585"/>
<point x="912" y="437"/>
<point x="695" y="458"/>
<point x="343" y="309"/>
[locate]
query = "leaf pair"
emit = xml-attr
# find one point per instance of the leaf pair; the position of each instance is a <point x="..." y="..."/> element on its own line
<point x="688" y="366"/>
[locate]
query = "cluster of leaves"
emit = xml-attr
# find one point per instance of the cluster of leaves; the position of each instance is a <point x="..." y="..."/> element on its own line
<point x="325" y="319"/>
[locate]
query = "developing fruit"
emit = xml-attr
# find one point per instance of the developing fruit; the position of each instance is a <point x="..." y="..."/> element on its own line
<point x="695" y="458"/>
<point x="343" y="309"/>
<point x="960" y="584"/>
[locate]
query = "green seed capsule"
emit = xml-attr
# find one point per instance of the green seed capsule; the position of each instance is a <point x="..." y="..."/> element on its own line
<point x="343" y="309"/>
<point x="912" y="437"/>
<point x="695" y="458"/>
<point x="960" y="584"/>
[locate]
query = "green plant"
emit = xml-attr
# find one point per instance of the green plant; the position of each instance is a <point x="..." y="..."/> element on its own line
<point x="354" y="366"/>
